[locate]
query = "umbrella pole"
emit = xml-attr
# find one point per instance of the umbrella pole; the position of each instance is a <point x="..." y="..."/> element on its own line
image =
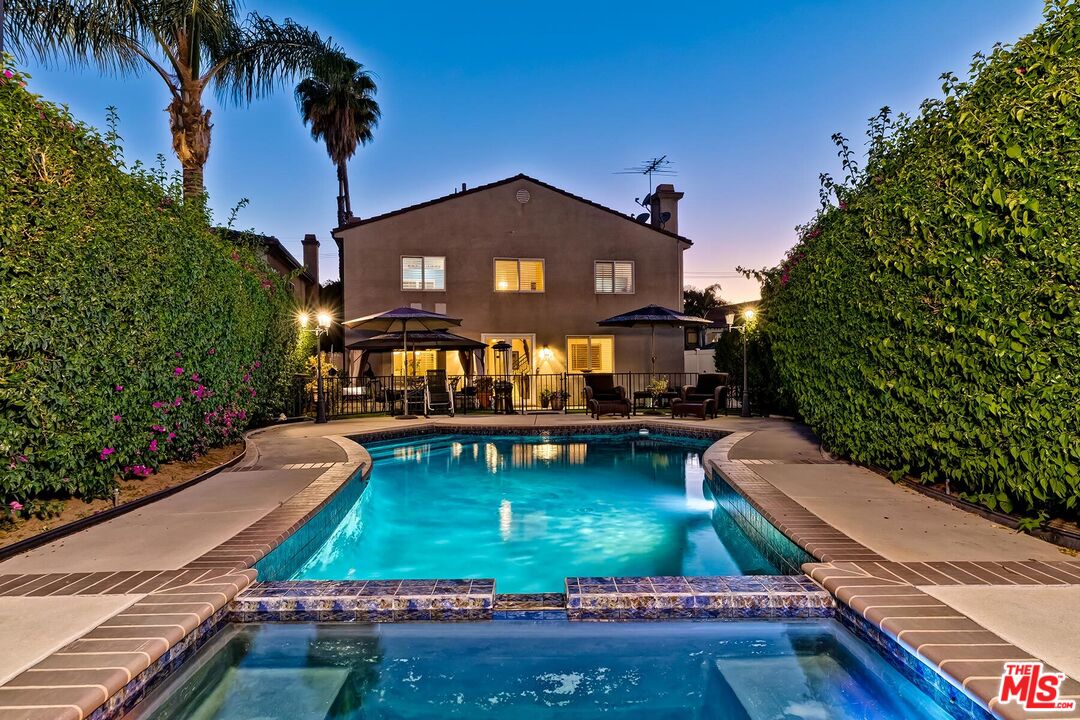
<point x="652" y="366"/>
<point x="405" y="371"/>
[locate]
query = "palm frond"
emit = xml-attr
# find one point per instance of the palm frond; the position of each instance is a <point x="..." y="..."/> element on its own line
<point x="263" y="55"/>
<point x="341" y="109"/>
<point x="105" y="33"/>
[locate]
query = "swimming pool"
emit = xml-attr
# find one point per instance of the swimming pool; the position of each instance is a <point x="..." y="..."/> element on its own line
<point x="732" y="670"/>
<point x="530" y="511"/>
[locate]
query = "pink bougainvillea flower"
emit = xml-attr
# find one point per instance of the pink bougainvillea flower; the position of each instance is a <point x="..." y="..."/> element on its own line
<point x="177" y="402"/>
<point x="116" y="418"/>
<point x="15" y="505"/>
<point x="157" y="404"/>
<point x="211" y="351"/>
<point x="195" y="377"/>
<point x="170" y="437"/>
<point x="8" y="74"/>
<point x="258" y="364"/>
<point x="253" y="393"/>
<point x="140" y="471"/>
<point x="106" y="452"/>
<point x="153" y="445"/>
<point x="158" y="428"/>
<point x="21" y="458"/>
<point x="247" y="377"/>
<point x="119" y="388"/>
<point x="178" y="371"/>
<point x="178" y="354"/>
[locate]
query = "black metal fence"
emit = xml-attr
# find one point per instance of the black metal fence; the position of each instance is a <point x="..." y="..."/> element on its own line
<point x="521" y="393"/>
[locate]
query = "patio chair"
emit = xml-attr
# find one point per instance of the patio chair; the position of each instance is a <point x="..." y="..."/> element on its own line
<point x="604" y="397"/>
<point x="710" y="386"/>
<point x="439" y="394"/>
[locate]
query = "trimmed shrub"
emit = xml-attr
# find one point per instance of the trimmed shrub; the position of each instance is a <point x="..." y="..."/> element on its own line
<point x="130" y="334"/>
<point x="928" y="322"/>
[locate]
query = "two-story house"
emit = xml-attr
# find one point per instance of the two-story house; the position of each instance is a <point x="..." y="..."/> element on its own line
<point x="523" y="262"/>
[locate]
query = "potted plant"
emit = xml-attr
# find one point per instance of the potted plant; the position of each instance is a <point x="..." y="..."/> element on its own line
<point x="484" y="385"/>
<point x="656" y="388"/>
<point x="545" y="398"/>
<point x="558" y="399"/>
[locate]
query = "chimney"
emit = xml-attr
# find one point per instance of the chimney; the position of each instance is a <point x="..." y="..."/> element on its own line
<point x="665" y="200"/>
<point x="311" y="262"/>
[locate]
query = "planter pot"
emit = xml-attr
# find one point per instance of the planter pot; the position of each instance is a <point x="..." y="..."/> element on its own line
<point x="544" y="403"/>
<point x="557" y="404"/>
<point x="483" y="399"/>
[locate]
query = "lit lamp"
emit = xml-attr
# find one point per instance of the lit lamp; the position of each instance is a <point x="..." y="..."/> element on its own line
<point x="323" y="321"/>
<point x="748" y="317"/>
<point x="546" y="354"/>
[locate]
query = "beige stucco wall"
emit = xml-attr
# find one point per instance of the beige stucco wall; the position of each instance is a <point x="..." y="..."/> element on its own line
<point x="473" y="229"/>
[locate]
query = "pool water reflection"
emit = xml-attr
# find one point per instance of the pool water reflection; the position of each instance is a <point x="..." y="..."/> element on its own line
<point x="532" y="511"/>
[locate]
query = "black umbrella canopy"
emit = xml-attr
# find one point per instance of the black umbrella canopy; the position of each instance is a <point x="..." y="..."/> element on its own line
<point x="654" y="315"/>
<point x="419" y="340"/>
<point x="403" y="318"/>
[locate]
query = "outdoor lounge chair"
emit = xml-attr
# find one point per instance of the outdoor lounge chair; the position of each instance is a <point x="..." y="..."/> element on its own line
<point x="438" y="394"/>
<point x="710" y="386"/>
<point x="604" y="397"/>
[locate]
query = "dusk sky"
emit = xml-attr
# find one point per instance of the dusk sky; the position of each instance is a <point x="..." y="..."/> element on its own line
<point x="742" y="96"/>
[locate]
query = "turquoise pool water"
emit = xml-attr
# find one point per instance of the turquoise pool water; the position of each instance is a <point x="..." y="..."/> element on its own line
<point x="531" y="511"/>
<point x="731" y="670"/>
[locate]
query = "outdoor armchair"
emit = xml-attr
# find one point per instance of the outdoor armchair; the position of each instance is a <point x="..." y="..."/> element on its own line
<point x="603" y="396"/>
<point x="709" y="386"/>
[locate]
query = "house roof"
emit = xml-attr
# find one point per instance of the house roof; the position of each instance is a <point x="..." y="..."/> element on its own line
<point x="516" y="178"/>
<point x="272" y="246"/>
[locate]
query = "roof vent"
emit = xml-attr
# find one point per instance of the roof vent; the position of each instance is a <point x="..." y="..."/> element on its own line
<point x="523" y="196"/>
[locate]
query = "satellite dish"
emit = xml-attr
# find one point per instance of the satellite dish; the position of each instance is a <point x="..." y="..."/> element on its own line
<point x="642" y="218"/>
<point x="648" y="200"/>
<point x="664" y="217"/>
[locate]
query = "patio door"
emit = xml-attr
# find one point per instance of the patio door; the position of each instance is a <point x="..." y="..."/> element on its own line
<point x="518" y="363"/>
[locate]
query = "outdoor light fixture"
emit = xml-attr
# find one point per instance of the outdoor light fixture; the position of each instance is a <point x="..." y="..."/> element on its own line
<point x="748" y="317"/>
<point x="323" y="322"/>
<point x="546" y="354"/>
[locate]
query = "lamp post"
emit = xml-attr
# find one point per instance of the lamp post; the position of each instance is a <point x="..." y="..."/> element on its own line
<point x="748" y="315"/>
<point x="323" y="320"/>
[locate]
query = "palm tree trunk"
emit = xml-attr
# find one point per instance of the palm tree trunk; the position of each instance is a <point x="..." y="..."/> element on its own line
<point x="190" y="126"/>
<point x="344" y="202"/>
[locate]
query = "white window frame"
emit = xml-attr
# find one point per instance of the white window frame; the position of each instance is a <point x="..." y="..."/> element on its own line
<point x="633" y="277"/>
<point x="518" y="260"/>
<point x="568" y="338"/>
<point x="423" y="272"/>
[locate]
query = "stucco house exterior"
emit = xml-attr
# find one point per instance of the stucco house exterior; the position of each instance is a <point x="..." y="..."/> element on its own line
<point x="523" y="262"/>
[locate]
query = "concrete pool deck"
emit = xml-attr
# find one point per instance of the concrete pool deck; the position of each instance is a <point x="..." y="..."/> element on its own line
<point x="871" y="534"/>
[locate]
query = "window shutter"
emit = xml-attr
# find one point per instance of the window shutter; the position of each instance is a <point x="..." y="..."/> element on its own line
<point x="604" y="277"/>
<point x="506" y="276"/>
<point x="624" y="277"/>
<point x="434" y="273"/>
<point x="412" y="273"/>
<point x="532" y="275"/>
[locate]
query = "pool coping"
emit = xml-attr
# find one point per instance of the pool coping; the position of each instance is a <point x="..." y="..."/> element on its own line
<point x="185" y="607"/>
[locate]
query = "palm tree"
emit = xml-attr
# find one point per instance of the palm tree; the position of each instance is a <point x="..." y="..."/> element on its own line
<point x="341" y="109"/>
<point x="699" y="302"/>
<point x="191" y="44"/>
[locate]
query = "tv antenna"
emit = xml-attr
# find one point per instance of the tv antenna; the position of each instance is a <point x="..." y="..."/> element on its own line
<point x="659" y="166"/>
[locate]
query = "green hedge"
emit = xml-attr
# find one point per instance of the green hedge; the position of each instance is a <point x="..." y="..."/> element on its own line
<point x="130" y="334"/>
<point x="928" y="320"/>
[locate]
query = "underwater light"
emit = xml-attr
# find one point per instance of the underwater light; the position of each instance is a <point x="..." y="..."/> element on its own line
<point x="643" y="431"/>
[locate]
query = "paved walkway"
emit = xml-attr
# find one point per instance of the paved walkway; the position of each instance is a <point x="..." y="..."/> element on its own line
<point x="122" y="560"/>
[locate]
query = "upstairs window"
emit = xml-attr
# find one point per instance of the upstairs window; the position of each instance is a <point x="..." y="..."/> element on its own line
<point x="423" y="273"/>
<point x="519" y="275"/>
<point x="614" y="276"/>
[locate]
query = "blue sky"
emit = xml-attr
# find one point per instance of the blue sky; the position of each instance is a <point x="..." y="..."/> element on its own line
<point x="742" y="96"/>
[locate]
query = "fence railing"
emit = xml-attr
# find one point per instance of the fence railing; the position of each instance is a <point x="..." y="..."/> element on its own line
<point x="520" y="393"/>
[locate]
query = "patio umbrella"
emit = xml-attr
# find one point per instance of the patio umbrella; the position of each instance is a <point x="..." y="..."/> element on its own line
<point x="653" y="315"/>
<point x="419" y="340"/>
<point x="403" y="319"/>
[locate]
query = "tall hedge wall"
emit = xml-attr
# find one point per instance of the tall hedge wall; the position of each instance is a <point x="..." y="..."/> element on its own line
<point x="928" y="320"/>
<point x="129" y="333"/>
